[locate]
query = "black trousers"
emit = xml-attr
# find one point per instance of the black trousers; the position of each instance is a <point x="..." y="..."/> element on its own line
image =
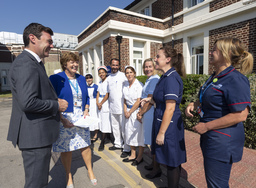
<point x="36" y="163"/>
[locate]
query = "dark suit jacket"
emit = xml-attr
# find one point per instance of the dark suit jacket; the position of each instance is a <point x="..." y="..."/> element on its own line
<point x="35" y="118"/>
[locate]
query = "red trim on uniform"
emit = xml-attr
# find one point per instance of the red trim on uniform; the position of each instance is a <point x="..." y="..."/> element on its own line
<point x="222" y="133"/>
<point x="239" y="103"/>
<point x="226" y="73"/>
<point x="217" y="90"/>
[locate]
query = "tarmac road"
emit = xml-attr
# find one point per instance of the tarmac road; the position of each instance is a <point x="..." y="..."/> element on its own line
<point x="108" y="167"/>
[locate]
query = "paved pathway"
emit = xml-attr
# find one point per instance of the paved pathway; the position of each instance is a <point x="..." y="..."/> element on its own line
<point x="243" y="173"/>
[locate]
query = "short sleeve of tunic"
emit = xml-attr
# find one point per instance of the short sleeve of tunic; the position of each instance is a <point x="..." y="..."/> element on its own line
<point x="172" y="88"/>
<point x="139" y="89"/>
<point x="152" y="85"/>
<point x="237" y="94"/>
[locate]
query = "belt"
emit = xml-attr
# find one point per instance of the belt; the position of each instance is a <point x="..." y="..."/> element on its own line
<point x="102" y="95"/>
<point x="129" y="106"/>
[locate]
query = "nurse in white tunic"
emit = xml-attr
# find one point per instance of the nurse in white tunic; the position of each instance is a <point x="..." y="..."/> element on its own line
<point x="92" y="91"/>
<point x="103" y="106"/>
<point x="133" y="128"/>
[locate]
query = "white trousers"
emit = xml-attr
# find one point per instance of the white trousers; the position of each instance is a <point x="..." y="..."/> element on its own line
<point x="117" y="122"/>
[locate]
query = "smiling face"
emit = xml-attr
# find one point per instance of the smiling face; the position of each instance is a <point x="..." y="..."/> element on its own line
<point x="162" y="62"/>
<point x="130" y="74"/>
<point x="71" y="67"/>
<point x="102" y="74"/>
<point x="215" y="56"/>
<point x="114" y="66"/>
<point x="42" y="45"/>
<point x="149" y="68"/>
<point x="89" y="79"/>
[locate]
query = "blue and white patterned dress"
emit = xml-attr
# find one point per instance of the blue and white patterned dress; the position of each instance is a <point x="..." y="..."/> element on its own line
<point x="74" y="138"/>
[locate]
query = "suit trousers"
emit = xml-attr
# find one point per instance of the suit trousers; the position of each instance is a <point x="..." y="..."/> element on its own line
<point x="117" y="122"/>
<point x="36" y="163"/>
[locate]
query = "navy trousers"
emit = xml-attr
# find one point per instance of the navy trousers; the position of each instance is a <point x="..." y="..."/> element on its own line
<point x="217" y="173"/>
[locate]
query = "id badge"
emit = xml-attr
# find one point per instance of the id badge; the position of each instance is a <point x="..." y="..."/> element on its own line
<point x="78" y="103"/>
<point x="200" y="112"/>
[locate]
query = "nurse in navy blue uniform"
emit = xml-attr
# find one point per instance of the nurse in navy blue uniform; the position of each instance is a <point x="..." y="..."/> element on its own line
<point x="168" y="143"/>
<point x="224" y="103"/>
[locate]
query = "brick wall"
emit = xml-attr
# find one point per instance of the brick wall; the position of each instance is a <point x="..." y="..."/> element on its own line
<point x="218" y="4"/>
<point x="177" y="20"/>
<point x="110" y="48"/>
<point x="245" y="31"/>
<point x="154" y="47"/>
<point x="114" y="15"/>
<point x="163" y="8"/>
<point x="178" y="45"/>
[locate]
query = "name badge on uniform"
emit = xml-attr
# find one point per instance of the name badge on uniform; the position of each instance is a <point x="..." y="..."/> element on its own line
<point x="78" y="103"/>
<point x="200" y="112"/>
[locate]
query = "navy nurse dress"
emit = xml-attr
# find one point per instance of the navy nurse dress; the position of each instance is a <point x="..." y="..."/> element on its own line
<point x="173" y="152"/>
<point x="228" y="92"/>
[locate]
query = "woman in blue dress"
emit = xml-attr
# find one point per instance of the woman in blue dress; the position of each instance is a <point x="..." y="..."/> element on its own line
<point x="168" y="142"/>
<point x="72" y="87"/>
<point x="224" y="103"/>
<point x="146" y="113"/>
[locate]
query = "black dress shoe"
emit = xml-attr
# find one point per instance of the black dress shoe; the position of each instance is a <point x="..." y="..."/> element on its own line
<point x="154" y="175"/>
<point x="135" y="163"/>
<point x="125" y="154"/>
<point x="101" y="147"/>
<point x="149" y="167"/>
<point x="128" y="160"/>
<point x="114" y="148"/>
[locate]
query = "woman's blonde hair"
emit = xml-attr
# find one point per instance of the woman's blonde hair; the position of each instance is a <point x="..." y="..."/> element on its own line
<point x="177" y="60"/>
<point x="148" y="60"/>
<point x="234" y="52"/>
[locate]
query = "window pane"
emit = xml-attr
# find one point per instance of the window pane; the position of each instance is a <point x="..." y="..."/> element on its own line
<point x="137" y="54"/>
<point x="134" y="63"/>
<point x="139" y="68"/>
<point x="201" y="64"/>
<point x="146" y="11"/>
<point x="193" y="59"/>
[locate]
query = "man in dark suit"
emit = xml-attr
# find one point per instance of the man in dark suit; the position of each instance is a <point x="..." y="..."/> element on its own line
<point x="34" y="123"/>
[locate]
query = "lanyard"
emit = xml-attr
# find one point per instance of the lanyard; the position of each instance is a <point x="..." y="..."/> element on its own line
<point x="75" y="88"/>
<point x="203" y="90"/>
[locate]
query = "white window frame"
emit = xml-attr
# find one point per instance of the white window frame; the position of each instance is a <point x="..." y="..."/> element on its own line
<point x="137" y="64"/>
<point x="196" y="64"/>
<point x="195" y="2"/>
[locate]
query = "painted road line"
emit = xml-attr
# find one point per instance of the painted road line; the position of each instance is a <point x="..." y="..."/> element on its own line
<point x="118" y="169"/>
<point x="132" y="168"/>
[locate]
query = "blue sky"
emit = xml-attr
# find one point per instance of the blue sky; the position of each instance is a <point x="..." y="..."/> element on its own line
<point x="63" y="16"/>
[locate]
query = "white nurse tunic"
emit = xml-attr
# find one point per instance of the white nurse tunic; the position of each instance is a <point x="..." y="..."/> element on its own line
<point x="93" y="107"/>
<point x="133" y="128"/>
<point x="104" y="115"/>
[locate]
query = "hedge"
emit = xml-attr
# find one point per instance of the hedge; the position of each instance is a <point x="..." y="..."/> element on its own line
<point x="191" y="85"/>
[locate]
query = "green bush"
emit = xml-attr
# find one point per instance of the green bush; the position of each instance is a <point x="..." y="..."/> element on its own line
<point x="191" y="86"/>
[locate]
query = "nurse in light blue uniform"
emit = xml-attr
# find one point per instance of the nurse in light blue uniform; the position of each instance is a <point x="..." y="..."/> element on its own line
<point x="224" y="102"/>
<point x="168" y="132"/>
<point x="146" y="113"/>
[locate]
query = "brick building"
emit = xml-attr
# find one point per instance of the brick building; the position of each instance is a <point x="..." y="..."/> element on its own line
<point x="146" y="25"/>
<point x="11" y="45"/>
